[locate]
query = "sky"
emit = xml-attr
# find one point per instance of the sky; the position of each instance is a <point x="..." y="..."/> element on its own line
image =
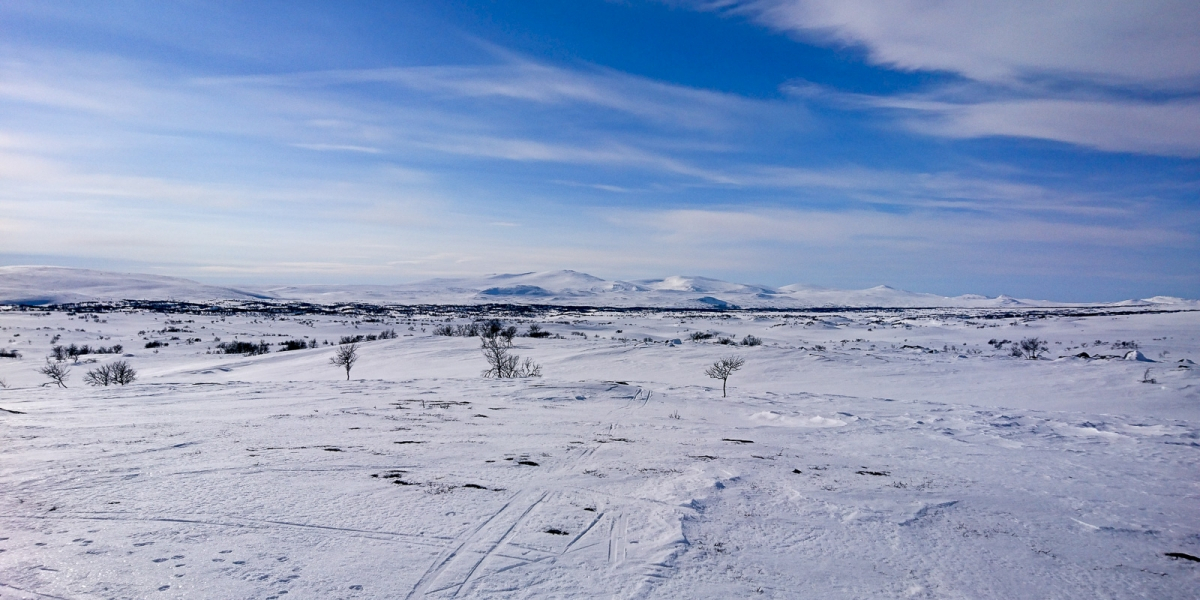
<point x="1043" y="149"/>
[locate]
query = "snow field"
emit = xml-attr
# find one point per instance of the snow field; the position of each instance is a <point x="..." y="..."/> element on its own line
<point x="846" y="472"/>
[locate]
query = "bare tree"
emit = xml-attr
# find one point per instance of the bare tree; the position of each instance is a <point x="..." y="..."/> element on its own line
<point x="723" y="368"/>
<point x="1030" y="348"/>
<point x="503" y="364"/>
<point x="57" y="372"/>
<point x="345" y="357"/>
<point x="114" y="373"/>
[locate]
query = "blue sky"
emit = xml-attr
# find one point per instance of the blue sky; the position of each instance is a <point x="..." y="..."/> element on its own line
<point x="1047" y="150"/>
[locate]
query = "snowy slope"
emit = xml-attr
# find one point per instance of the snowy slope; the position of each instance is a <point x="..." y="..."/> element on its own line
<point x="41" y="285"/>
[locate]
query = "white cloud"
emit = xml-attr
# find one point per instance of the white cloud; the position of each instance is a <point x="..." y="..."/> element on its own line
<point x="1147" y="42"/>
<point x="1162" y="128"/>
<point x="1101" y="122"/>
<point x="338" y="148"/>
<point x="1030" y="60"/>
<point x="522" y="80"/>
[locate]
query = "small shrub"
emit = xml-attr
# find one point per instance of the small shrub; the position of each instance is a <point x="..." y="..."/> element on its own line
<point x="158" y="344"/>
<point x="998" y="344"/>
<point x="491" y="328"/>
<point x="114" y="373"/>
<point x="388" y="334"/>
<point x="10" y="354"/>
<point x="751" y="340"/>
<point x="725" y="341"/>
<point x="247" y="348"/>
<point x="59" y="353"/>
<point x="723" y="368"/>
<point x="345" y="357"/>
<point x="536" y="331"/>
<point x="1146" y="378"/>
<point x="57" y="372"/>
<point x="293" y="345"/>
<point x="1030" y="348"/>
<point x="503" y="364"/>
<point x="446" y="330"/>
<point x="350" y="339"/>
<point x="700" y="336"/>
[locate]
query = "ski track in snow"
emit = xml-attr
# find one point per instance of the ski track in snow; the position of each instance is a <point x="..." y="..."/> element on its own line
<point x="863" y="469"/>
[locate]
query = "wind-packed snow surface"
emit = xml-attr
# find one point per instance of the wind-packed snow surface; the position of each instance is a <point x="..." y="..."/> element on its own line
<point x="860" y="454"/>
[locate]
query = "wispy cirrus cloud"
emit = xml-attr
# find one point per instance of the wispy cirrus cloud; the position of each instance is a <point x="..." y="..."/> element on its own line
<point x="1150" y="43"/>
<point x="1094" y="119"/>
<point x="1111" y="76"/>
<point x="517" y="79"/>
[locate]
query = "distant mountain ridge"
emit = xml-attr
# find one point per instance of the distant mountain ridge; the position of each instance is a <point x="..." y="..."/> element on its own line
<point x="44" y="285"/>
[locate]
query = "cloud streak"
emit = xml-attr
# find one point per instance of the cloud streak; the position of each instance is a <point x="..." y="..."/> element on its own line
<point x="1152" y="42"/>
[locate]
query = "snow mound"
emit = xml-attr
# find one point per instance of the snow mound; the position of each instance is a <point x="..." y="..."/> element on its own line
<point x="770" y="417"/>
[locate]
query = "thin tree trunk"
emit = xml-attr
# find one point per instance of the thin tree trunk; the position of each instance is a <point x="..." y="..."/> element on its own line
<point x="723" y="382"/>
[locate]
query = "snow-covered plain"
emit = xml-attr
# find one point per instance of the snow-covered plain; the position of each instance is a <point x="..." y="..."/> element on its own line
<point x="860" y="454"/>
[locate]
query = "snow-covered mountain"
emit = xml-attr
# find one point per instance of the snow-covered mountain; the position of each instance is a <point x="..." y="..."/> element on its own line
<point x="57" y="285"/>
<point x="40" y="285"/>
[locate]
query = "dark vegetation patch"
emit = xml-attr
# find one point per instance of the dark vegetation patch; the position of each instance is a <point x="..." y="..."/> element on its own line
<point x="737" y="441"/>
<point x="527" y="462"/>
<point x="408" y="442"/>
<point x="553" y="531"/>
<point x="395" y="475"/>
<point x="296" y="345"/>
<point x="246" y="348"/>
<point x="1183" y="556"/>
<point x="875" y="473"/>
